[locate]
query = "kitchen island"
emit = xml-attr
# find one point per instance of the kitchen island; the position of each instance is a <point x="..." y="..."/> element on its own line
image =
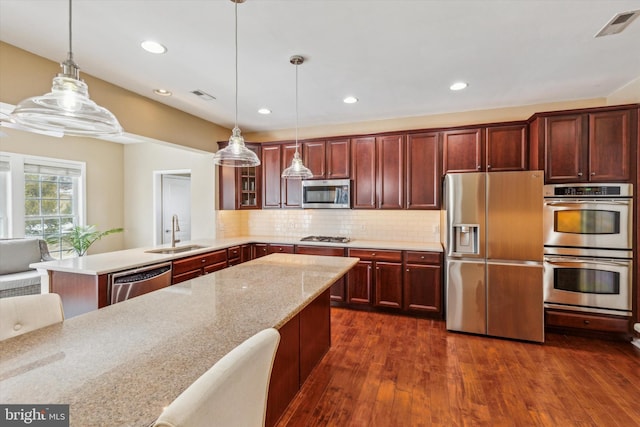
<point x="122" y="364"/>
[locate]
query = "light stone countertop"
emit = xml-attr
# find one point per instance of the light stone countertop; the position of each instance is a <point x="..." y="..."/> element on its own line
<point x="120" y="365"/>
<point x="109" y="262"/>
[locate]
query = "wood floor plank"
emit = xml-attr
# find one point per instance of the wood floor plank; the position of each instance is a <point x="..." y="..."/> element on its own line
<point x="387" y="370"/>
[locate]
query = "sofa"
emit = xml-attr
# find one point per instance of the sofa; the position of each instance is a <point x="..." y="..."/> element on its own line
<point x="16" y="277"/>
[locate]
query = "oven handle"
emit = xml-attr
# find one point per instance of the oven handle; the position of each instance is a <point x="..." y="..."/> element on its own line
<point x="581" y="202"/>
<point x="568" y="260"/>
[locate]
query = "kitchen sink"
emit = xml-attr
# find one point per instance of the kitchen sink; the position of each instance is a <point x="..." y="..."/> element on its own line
<point x="174" y="250"/>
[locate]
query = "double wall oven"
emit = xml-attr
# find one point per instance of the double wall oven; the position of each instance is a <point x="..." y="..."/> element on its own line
<point x="588" y="235"/>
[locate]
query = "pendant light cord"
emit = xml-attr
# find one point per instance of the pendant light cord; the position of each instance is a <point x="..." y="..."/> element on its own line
<point x="236" y="45"/>
<point x="70" y="38"/>
<point x="296" y="108"/>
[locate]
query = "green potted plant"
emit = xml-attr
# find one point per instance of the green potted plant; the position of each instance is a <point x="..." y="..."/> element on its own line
<point x="80" y="237"/>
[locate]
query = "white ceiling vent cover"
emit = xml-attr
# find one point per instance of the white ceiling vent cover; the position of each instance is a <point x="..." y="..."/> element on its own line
<point x="618" y="23"/>
<point x="203" y="95"/>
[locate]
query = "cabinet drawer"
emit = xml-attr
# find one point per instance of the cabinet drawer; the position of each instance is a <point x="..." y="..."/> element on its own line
<point x="283" y="249"/>
<point x="320" y="250"/>
<point x="585" y="321"/>
<point x="215" y="267"/>
<point x="415" y="257"/>
<point x="177" y="278"/>
<point x="377" y="255"/>
<point x="198" y="261"/>
<point x="233" y="253"/>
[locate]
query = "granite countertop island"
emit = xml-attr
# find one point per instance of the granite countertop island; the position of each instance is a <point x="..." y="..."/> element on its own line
<point x="122" y="364"/>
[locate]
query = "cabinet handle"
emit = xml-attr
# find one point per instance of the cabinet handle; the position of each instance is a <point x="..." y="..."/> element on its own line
<point x="579" y="173"/>
<point x="593" y="174"/>
<point x="203" y="260"/>
<point x="421" y="256"/>
<point x="373" y="254"/>
<point x="586" y="322"/>
<point x="407" y="270"/>
<point x="488" y="166"/>
<point x="478" y="167"/>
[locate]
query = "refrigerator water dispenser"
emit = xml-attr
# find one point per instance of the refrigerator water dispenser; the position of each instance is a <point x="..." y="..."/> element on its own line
<point x="466" y="238"/>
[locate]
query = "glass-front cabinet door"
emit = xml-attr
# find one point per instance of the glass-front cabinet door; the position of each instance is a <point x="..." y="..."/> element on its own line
<point x="248" y="181"/>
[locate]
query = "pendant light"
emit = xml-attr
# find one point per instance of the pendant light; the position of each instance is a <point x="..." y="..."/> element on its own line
<point x="67" y="108"/>
<point x="236" y="154"/>
<point x="297" y="170"/>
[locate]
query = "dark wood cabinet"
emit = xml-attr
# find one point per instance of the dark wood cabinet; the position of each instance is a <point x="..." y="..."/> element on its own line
<point x="280" y="249"/>
<point x="423" y="171"/>
<point x="462" y="151"/>
<point x="239" y="188"/>
<point x="338" y="291"/>
<point x="377" y="278"/>
<point x="271" y="171"/>
<point x="588" y="147"/>
<point x="506" y="148"/>
<point x="197" y="265"/>
<point x="363" y="170"/>
<point x="423" y="282"/>
<point x="338" y="159"/>
<point x="314" y="157"/>
<point x="260" y="249"/>
<point x="586" y="322"/>
<point x="496" y="148"/>
<point x="377" y="165"/>
<point x="291" y="188"/>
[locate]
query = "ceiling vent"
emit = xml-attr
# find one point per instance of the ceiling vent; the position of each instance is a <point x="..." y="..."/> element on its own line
<point x="618" y="23"/>
<point x="203" y="95"/>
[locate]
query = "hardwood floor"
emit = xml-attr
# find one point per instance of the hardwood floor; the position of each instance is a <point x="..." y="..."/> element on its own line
<point x="386" y="370"/>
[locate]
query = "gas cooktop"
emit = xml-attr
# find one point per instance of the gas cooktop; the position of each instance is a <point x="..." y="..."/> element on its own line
<point x="329" y="239"/>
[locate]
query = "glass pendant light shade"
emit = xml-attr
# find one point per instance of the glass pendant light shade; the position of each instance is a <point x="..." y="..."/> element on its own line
<point x="236" y="154"/>
<point x="67" y="108"/>
<point x="297" y="170"/>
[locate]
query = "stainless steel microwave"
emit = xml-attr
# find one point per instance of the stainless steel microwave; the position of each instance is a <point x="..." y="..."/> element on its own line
<point x="326" y="194"/>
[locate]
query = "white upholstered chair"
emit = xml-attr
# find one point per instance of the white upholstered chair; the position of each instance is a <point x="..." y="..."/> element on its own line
<point x="26" y="313"/>
<point x="232" y="393"/>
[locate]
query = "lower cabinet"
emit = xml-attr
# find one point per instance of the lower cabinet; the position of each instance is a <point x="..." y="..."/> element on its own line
<point x="197" y="265"/>
<point x="423" y="282"/>
<point x="377" y="279"/>
<point x="573" y="321"/>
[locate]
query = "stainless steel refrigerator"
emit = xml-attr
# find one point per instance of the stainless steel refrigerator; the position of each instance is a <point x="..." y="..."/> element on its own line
<point x="494" y="253"/>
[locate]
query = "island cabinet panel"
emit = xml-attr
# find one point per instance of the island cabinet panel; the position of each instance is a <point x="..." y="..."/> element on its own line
<point x="197" y="265"/>
<point x="285" y="374"/>
<point x="423" y="171"/>
<point x="304" y="340"/>
<point x="80" y="293"/>
<point x="338" y="292"/>
<point x="423" y="282"/>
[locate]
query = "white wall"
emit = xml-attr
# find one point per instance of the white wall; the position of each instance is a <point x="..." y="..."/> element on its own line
<point x="141" y="161"/>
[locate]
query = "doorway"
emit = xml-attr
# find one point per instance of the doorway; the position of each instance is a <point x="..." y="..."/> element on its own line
<point x="174" y="198"/>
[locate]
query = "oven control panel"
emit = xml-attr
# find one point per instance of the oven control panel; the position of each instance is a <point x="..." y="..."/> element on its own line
<point x="587" y="190"/>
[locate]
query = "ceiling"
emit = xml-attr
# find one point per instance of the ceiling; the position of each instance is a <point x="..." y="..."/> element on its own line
<point x="397" y="56"/>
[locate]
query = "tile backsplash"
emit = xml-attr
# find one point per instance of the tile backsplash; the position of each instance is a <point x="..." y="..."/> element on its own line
<point x="398" y="225"/>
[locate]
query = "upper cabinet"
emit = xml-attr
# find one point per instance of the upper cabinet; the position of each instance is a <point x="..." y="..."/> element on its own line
<point x="423" y="171"/>
<point x="585" y="147"/>
<point x="271" y="171"/>
<point x="240" y="187"/>
<point x="497" y="148"/>
<point x="377" y="165"/>
<point x="328" y="159"/>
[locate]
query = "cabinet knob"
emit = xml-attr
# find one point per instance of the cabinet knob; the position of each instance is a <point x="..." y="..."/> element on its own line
<point x="421" y="256"/>
<point x="488" y="166"/>
<point x="478" y="167"/>
<point x="373" y="254"/>
<point x="407" y="270"/>
<point x="280" y="249"/>
<point x="593" y="174"/>
<point x="203" y="260"/>
<point x="579" y="173"/>
<point x="586" y="322"/>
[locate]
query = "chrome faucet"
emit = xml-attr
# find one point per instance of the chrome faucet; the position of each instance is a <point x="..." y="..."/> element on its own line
<point x="174" y="227"/>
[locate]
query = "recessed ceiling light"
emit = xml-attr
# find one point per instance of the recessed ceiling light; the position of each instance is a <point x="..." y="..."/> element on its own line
<point x="350" y="100"/>
<point x="162" y="92"/>
<point x="264" y="111"/>
<point x="153" y="47"/>
<point x="458" y="86"/>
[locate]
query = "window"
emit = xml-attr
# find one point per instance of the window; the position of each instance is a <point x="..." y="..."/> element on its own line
<point x="44" y="197"/>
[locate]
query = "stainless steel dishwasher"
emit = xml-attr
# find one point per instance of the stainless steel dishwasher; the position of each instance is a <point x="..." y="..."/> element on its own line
<point x="132" y="283"/>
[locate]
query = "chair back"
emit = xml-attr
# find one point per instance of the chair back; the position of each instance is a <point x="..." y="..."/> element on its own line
<point x="232" y="393"/>
<point x="26" y="313"/>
